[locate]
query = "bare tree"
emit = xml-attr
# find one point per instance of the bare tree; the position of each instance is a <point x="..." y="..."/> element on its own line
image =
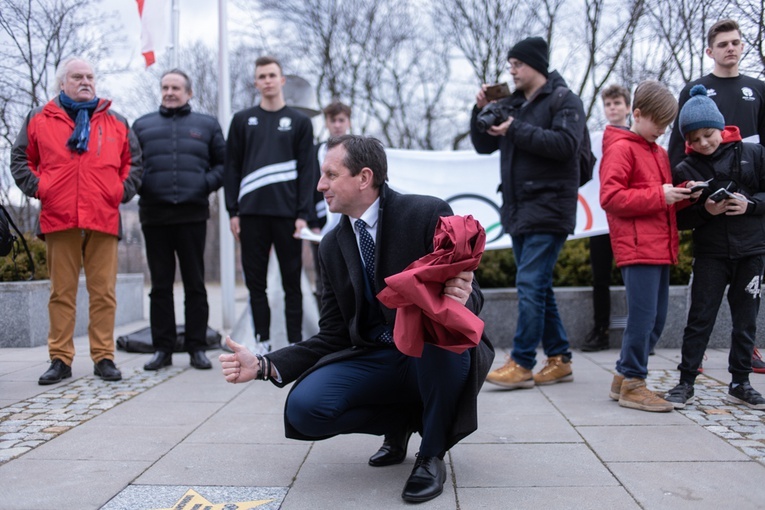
<point x="376" y="55"/>
<point x="751" y="18"/>
<point x="483" y="31"/>
<point x="37" y="35"/>
<point x="609" y="31"/>
<point x="681" y="29"/>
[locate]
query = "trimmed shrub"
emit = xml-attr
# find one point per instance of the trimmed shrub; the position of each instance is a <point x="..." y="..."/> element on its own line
<point x="497" y="269"/>
<point x="18" y="270"/>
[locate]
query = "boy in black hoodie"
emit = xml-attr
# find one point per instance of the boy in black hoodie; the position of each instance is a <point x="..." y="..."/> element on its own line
<point x="728" y="222"/>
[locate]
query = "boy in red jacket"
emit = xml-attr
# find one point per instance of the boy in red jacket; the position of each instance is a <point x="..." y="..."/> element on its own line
<point x="728" y="245"/>
<point x="637" y="194"/>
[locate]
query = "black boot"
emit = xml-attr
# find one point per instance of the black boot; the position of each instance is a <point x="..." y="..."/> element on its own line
<point x="199" y="360"/>
<point x="597" y="340"/>
<point x="160" y="359"/>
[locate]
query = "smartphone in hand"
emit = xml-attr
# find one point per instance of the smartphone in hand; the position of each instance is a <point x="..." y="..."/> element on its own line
<point x="700" y="185"/>
<point x="497" y="91"/>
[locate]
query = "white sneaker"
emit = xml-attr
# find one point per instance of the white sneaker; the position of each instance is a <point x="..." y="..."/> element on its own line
<point x="263" y="347"/>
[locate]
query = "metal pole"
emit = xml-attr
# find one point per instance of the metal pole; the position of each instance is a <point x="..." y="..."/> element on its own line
<point x="176" y="19"/>
<point x="227" y="253"/>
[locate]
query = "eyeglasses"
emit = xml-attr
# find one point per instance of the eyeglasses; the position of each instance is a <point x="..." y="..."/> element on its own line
<point x="515" y="65"/>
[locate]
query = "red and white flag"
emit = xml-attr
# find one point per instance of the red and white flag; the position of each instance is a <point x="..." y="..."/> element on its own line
<point x="155" y="27"/>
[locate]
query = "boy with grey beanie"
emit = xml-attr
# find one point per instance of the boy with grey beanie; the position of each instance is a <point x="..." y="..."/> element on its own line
<point x="727" y="216"/>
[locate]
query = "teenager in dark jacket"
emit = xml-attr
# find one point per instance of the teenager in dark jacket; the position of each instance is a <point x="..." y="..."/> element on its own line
<point x="183" y="152"/>
<point x="728" y="244"/>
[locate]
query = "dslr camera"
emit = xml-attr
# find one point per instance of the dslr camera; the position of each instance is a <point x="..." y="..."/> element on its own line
<point x="493" y="114"/>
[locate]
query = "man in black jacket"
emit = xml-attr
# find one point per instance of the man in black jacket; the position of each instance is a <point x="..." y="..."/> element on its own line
<point x="184" y="154"/>
<point x="350" y="378"/>
<point x="538" y="144"/>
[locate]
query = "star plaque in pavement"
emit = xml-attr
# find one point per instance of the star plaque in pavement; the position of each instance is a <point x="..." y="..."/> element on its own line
<point x="192" y="500"/>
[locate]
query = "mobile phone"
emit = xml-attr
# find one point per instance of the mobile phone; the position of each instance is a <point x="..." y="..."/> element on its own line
<point x="497" y="91"/>
<point x="700" y="186"/>
<point x="720" y="195"/>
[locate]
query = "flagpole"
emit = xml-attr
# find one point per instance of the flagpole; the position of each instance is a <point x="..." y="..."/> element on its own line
<point x="227" y="254"/>
<point x="175" y="22"/>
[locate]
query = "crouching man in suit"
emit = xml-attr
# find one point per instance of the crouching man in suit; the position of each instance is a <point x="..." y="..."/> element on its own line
<point x="350" y="378"/>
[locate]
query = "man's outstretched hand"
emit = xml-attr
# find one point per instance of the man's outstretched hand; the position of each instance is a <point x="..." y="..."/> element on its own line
<point x="239" y="366"/>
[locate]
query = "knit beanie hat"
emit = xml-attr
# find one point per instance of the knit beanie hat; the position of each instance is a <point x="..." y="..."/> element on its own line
<point x="532" y="51"/>
<point x="699" y="112"/>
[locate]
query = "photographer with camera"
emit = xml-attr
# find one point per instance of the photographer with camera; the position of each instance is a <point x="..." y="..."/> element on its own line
<point x="538" y="130"/>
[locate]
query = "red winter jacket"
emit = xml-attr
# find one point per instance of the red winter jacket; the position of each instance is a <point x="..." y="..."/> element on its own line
<point x="77" y="190"/>
<point x="642" y="226"/>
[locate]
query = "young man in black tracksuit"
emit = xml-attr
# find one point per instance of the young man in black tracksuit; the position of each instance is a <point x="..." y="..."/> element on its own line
<point x="728" y="243"/>
<point x="269" y="180"/>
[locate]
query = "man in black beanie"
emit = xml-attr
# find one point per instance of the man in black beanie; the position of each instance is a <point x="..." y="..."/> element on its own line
<point x="539" y="144"/>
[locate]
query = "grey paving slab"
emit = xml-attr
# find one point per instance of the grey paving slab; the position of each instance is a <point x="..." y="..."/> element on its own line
<point x="557" y="498"/>
<point x="353" y="486"/>
<point x="8" y="368"/>
<point x="524" y="426"/>
<point x="195" y="386"/>
<point x="18" y="390"/>
<point x="228" y="464"/>
<point x="224" y="428"/>
<point x="256" y="397"/>
<point x="693" y="485"/>
<point x="592" y="406"/>
<point x="99" y="442"/>
<point x="159" y="414"/>
<point x="64" y="484"/>
<point x="355" y="449"/>
<point x="528" y="465"/>
<point x="27" y="354"/>
<point x="656" y="443"/>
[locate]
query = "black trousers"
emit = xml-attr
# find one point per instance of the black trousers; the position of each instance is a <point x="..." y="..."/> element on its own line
<point x="257" y="235"/>
<point x="710" y="277"/>
<point x="376" y="393"/>
<point x="163" y="244"/>
<point x="601" y="261"/>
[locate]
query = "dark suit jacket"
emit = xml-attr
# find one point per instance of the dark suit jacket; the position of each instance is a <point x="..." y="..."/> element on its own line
<point x="405" y="231"/>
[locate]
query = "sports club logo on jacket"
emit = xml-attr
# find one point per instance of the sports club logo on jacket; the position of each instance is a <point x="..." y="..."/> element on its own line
<point x="285" y="124"/>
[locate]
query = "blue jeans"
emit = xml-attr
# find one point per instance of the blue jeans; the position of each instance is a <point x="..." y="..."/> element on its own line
<point x="647" y="299"/>
<point x="538" y="318"/>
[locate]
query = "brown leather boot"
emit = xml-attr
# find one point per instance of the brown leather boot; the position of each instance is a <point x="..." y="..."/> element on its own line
<point x="635" y="395"/>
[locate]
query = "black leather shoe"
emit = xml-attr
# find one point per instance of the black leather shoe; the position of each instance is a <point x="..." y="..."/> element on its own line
<point x="160" y="359"/>
<point x="58" y="370"/>
<point x="199" y="360"/>
<point x="426" y="481"/>
<point x="106" y="370"/>
<point x="392" y="451"/>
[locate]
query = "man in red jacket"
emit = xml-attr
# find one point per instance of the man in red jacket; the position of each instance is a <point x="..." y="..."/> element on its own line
<point x="81" y="160"/>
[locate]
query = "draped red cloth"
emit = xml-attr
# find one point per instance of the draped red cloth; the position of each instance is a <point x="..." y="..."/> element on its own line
<point x="424" y="313"/>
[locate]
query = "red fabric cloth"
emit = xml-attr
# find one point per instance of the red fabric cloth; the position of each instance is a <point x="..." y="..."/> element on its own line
<point x="424" y="313"/>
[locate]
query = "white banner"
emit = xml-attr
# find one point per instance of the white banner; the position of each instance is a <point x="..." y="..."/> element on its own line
<point x="468" y="181"/>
